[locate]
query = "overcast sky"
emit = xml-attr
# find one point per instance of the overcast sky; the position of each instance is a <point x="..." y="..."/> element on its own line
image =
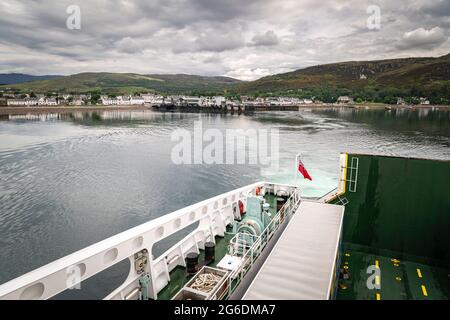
<point x="245" y="39"/>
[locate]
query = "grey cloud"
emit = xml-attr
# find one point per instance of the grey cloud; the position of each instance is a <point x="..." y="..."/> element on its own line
<point x="243" y="38"/>
<point x="437" y="8"/>
<point x="206" y="37"/>
<point x="219" y="42"/>
<point x="129" y="45"/>
<point x="267" y="39"/>
<point x="212" y="59"/>
<point x="422" y="38"/>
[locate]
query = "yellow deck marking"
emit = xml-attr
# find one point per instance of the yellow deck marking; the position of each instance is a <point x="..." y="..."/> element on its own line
<point x="377" y="263"/>
<point x="346" y="262"/>
<point x="377" y="280"/>
<point x="345" y="267"/>
<point x="378" y="296"/>
<point x="419" y="273"/>
<point x="424" y="291"/>
<point x="398" y="278"/>
<point x="347" y="254"/>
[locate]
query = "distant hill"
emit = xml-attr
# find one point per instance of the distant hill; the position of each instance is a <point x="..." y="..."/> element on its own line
<point x="13" y="78"/>
<point x="131" y="82"/>
<point x="348" y="74"/>
<point x="379" y="79"/>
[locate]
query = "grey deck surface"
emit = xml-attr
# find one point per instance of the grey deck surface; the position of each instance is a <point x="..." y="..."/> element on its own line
<point x="301" y="263"/>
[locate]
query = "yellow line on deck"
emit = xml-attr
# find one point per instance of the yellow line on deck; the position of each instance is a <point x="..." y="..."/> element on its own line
<point x="377" y="280"/>
<point x="378" y="296"/>
<point x="377" y="263"/>
<point x="419" y="273"/>
<point x="424" y="291"/>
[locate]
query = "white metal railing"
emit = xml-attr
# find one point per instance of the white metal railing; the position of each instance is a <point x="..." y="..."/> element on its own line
<point x="241" y="242"/>
<point x="289" y="208"/>
<point x="212" y="216"/>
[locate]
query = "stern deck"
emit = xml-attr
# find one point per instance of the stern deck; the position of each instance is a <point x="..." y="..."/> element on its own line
<point x="179" y="277"/>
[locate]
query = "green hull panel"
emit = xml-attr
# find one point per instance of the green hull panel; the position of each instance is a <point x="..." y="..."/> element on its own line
<point x="398" y="213"/>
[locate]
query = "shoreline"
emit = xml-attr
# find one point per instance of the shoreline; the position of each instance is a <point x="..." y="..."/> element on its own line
<point x="66" y="109"/>
<point x="5" y="110"/>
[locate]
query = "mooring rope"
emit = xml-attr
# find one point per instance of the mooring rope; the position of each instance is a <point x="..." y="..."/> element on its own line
<point x="205" y="282"/>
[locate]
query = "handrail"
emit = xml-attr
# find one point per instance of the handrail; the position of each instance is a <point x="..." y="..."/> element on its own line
<point x="286" y="211"/>
<point x="212" y="216"/>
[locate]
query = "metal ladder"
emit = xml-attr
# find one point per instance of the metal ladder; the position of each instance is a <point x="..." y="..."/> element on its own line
<point x="353" y="180"/>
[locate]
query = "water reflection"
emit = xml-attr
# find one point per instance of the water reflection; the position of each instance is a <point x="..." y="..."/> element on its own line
<point x="427" y="121"/>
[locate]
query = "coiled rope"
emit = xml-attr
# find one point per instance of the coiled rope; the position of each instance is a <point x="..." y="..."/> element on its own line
<point x="205" y="282"/>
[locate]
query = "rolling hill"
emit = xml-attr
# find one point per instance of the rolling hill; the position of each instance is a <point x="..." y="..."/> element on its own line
<point x="11" y="78"/>
<point x="409" y="76"/>
<point x="378" y="81"/>
<point x="129" y="83"/>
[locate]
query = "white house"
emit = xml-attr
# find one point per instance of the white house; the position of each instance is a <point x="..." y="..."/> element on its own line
<point x="107" y="101"/>
<point x="148" y="98"/>
<point x="219" y="100"/>
<point x="22" y="102"/>
<point x="43" y="101"/>
<point x="424" y="101"/>
<point x="77" y="101"/>
<point x="273" y="102"/>
<point x="344" y="99"/>
<point x="136" y="100"/>
<point x="191" y="101"/>
<point x="285" y="101"/>
<point x="51" y="102"/>
<point x="400" y="101"/>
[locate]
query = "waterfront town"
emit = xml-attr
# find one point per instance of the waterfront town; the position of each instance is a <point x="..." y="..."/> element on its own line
<point x="155" y="100"/>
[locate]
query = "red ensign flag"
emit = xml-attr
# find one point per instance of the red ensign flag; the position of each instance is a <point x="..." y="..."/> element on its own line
<point x="302" y="170"/>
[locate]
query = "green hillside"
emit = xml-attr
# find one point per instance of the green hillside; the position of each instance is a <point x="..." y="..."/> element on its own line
<point x="377" y="81"/>
<point x="381" y="80"/>
<point x="129" y="83"/>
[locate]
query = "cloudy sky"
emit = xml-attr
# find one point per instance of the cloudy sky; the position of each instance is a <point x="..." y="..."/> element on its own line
<point x="245" y="39"/>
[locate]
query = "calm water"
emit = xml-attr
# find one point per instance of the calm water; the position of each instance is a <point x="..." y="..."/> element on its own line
<point x="67" y="181"/>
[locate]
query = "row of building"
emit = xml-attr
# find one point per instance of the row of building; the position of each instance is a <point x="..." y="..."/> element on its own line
<point x="174" y="100"/>
<point x="42" y="100"/>
<point x="199" y="101"/>
<point x="149" y="99"/>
